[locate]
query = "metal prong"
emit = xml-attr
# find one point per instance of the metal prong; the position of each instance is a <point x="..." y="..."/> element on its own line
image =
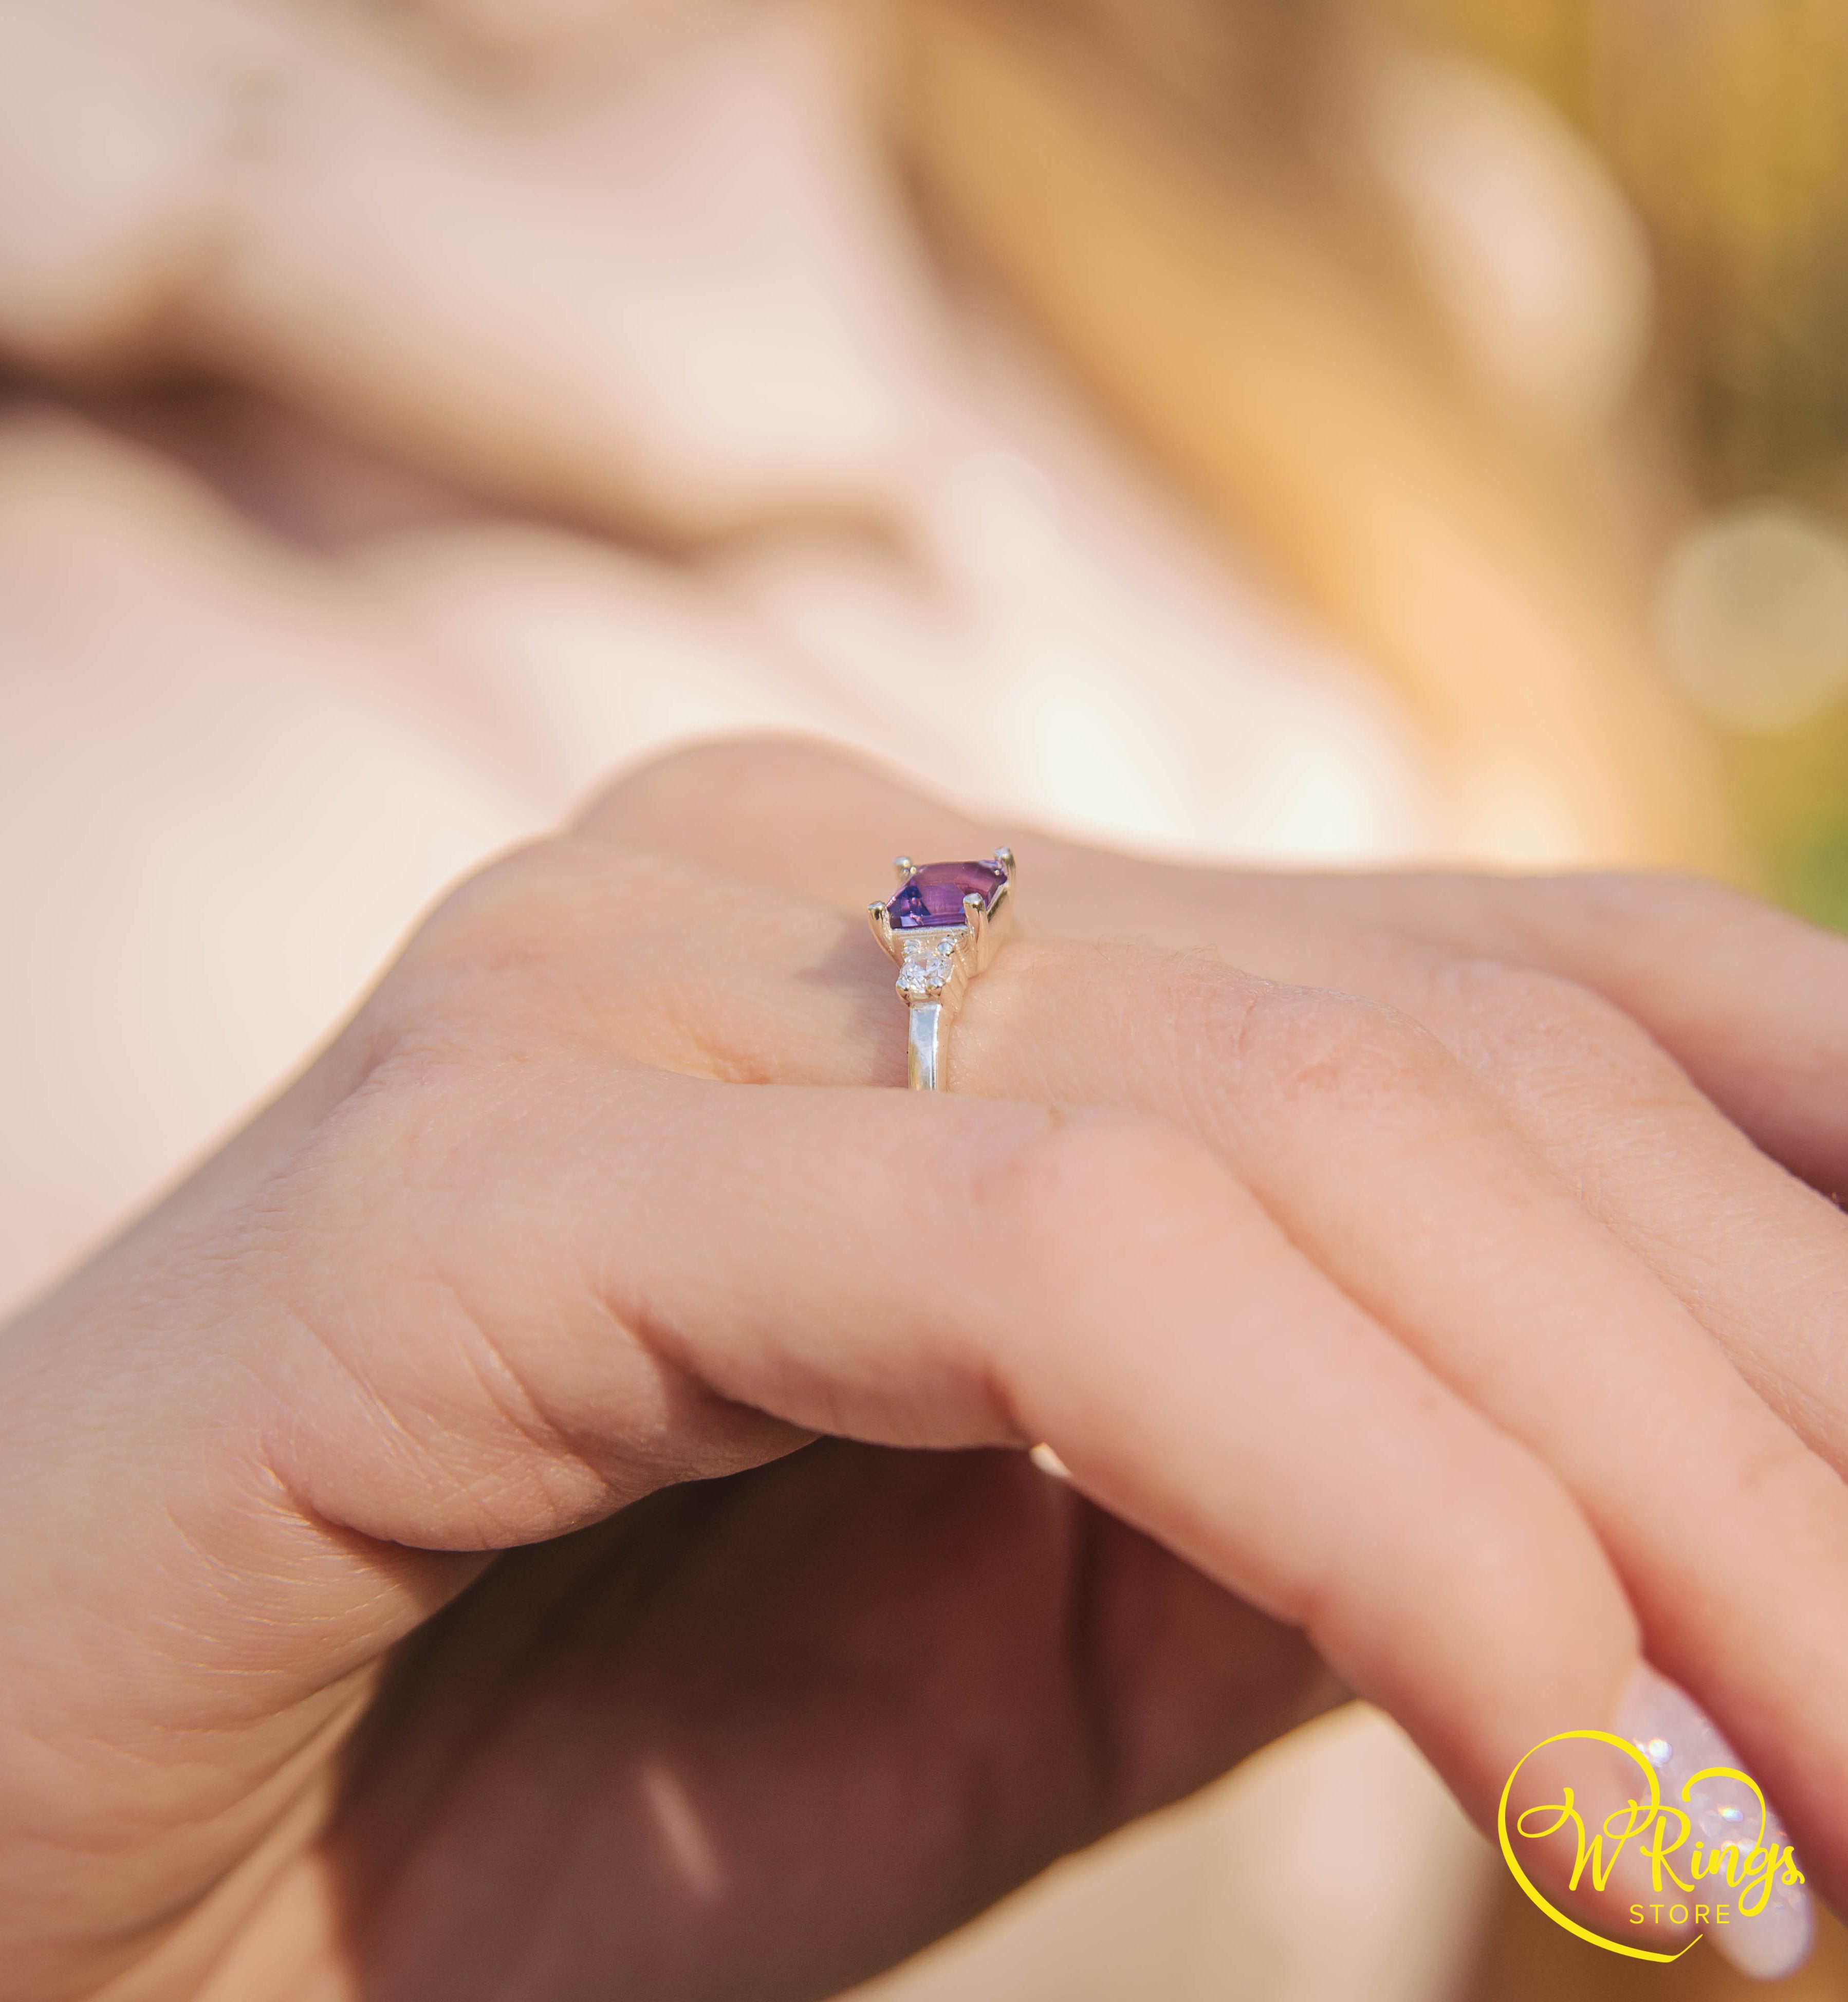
<point x="975" y="915"/>
<point x="1005" y="856"/>
<point x="905" y="869"/>
<point x="880" y="919"/>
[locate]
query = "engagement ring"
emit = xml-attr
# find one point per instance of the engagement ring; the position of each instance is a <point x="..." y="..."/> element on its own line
<point x="942" y="927"/>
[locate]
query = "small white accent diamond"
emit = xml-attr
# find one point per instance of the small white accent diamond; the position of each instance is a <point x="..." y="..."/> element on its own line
<point x="926" y="971"/>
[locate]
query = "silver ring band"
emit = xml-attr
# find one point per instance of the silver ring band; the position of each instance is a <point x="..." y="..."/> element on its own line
<point x="926" y="1039"/>
<point x="942" y="927"/>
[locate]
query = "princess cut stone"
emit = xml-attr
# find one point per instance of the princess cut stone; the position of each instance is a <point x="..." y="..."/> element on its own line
<point x="934" y="895"/>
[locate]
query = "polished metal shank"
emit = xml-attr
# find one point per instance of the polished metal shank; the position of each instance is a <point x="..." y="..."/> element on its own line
<point x="936" y="963"/>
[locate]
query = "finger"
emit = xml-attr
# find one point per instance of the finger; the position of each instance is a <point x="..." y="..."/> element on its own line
<point x="507" y="1280"/>
<point x="1757" y="1256"/>
<point x="951" y="1273"/>
<point x="562" y="1282"/>
<point x="1449" y="1229"/>
<point x="1452" y="1232"/>
<point x="1751" y="1002"/>
<point x="1754" y="1255"/>
<point x="1748" y="999"/>
<point x="413" y="1440"/>
<point x="657" y="1278"/>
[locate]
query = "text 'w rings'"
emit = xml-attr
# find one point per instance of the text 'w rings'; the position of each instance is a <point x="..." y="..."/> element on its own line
<point x="942" y="926"/>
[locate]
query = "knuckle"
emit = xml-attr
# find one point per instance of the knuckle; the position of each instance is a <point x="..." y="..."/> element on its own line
<point x="1553" y="1032"/>
<point x="753" y="776"/>
<point x="403" y="1150"/>
<point x="543" y="949"/>
<point x="1085" y="1211"/>
<point x="1306" y="1043"/>
<point x="492" y="934"/>
<point x="425" y="1293"/>
<point x="1095" y="1190"/>
<point x="529" y="902"/>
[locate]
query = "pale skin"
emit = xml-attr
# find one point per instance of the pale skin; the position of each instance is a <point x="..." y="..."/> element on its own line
<point x="573" y="1239"/>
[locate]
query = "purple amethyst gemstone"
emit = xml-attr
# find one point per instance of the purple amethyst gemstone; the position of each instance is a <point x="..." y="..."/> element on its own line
<point x="934" y="896"/>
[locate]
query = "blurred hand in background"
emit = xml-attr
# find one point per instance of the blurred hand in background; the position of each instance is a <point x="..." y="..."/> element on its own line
<point x="651" y="271"/>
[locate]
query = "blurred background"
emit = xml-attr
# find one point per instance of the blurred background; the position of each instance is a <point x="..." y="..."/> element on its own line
<point x="1724" y="127"/>
<point x="1281" y="432"/>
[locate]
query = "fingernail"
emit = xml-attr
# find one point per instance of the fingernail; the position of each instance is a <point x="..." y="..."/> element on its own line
<point x="1679" y="1739"/>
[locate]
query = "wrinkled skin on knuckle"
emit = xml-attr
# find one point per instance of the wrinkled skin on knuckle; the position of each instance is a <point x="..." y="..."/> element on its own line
<point x="1368" y="1060"/>
<point x="450" y="1361"/>
<point x="508" y="955"/>
<point x="381" y="1414"/>
<point x="442" y="1368"/>
<point x="1190" y="1009"/>
<point x="626" y="956"/>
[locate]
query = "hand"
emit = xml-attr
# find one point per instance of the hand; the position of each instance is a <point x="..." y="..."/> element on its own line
<point x="460" y="233"/>
<point x="1343" y="1334"/>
